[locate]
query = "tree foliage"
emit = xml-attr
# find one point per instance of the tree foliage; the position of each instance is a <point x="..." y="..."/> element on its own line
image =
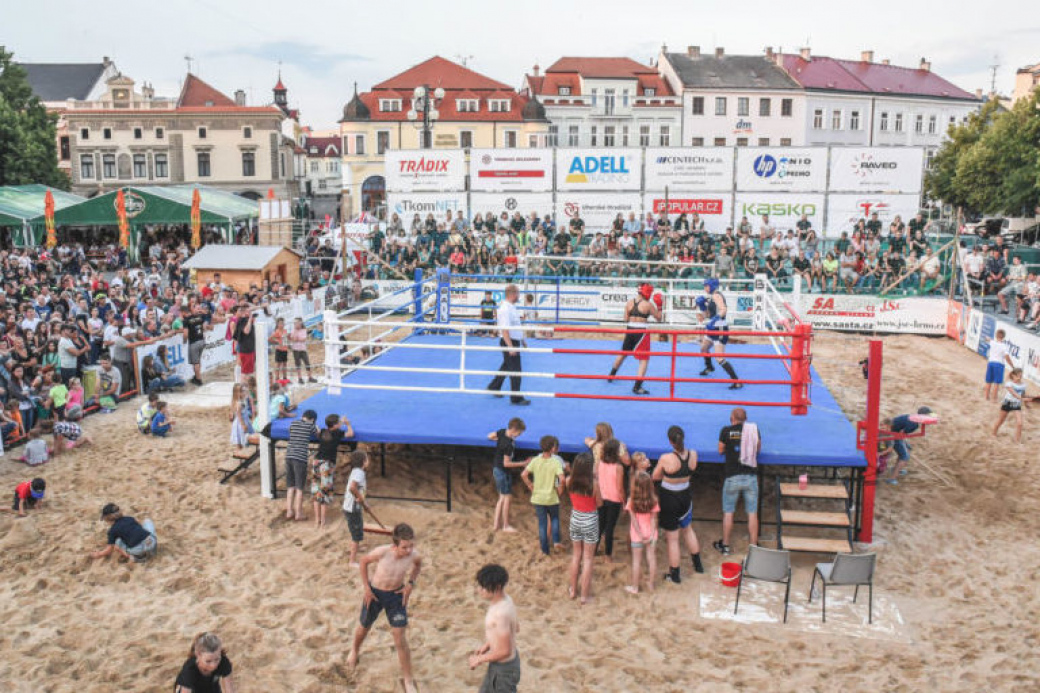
<point x="991" y="163"/>
<point x="28" y="148"/>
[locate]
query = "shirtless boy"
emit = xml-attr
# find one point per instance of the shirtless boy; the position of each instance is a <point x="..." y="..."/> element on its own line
<point x="500" y="629"/>
<point x="388" y="590"/>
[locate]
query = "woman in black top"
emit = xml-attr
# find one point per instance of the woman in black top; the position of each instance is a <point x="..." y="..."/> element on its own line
<point x="208" y="670"/>
<point x="674" y="470"/>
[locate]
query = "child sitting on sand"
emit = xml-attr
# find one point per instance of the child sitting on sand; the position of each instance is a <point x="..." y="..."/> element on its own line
<point x="36" y="450"/>
<point x="28" y="495"/>
<point x="643" y="509"/>
<point x="162" y="422"/>
<point x="208" y="668"/>
<point x="146" y="413"/>
<point x="74" y="403"/>
<point x="547" y="472"/>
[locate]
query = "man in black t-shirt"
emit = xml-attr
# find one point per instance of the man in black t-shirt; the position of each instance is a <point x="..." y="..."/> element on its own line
<point x="245" y="339"/>
<point x="741" y="478"/>
<point x="487" y="313"/>
<point x="194" y="330"/>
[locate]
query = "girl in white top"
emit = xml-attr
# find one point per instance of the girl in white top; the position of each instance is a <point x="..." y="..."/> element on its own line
<point x="1014" y="400"/>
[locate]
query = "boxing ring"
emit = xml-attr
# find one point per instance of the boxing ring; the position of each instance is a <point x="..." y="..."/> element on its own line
<point x="413" y="367"/>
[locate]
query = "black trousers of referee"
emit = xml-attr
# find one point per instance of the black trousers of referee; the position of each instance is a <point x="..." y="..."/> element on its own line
<point x="510" y="362"/>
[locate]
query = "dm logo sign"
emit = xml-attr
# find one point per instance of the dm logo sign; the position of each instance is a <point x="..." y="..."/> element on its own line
<point x="765" y="166"/>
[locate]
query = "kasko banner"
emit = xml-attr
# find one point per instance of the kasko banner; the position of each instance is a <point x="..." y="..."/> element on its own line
<point x="598" y="169"/>
<point x="782" y="169"/>
<point x="844" y="210"/>
<point x="409" y="170"/>
<point x="597" y="210"/>
<point x="698" y="168"/>
<point x="784" y="209"/>
<point x="523" y="202"/>
<point x="876" y="169"/>
<point x="435" y="203"/>
<point x="714" y="209"/>
<point x="511" y="169"/>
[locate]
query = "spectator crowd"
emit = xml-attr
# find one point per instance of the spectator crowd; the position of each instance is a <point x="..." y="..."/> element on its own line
<point x="865" y="260"/>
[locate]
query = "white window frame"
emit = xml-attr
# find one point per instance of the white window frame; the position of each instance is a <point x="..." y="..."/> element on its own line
<point x="564" y="91"/>
<point x="817" y="119"/>
<point x="898" y="123"/>
<point x="853" y="120"/>
<point x="624" y="135"/>
<point x="644" y="134"/>
<point x="389" y="105"/>
<point x="162" y="166"/>
<point x="467" y="105"/>
<point x="469" y="133"/>
<point x="933" y="124"/>
<point x="378" y="133"/>
<point x="85" y="161"/>
<point x="720" y="105"/>
<point x="919" y="124"/>
<point x="498" y="105"/>
<point x="609" y="135"/>
<point x="837" y="118"/>
<point x="664" y="136"/>
<point x="743" y="106"/>
<point x="573" y="135"/>
<point x="883" y="122"/>
<point x="143" y="161"/>
<point x="514" y="134"/>
<point x="554" y="135"/>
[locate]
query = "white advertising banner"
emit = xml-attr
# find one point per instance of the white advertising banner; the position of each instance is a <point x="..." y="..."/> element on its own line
<point x="784" y="169"/>
<point x="218" y="349"/>
<point x="689" y="169"/>
<point x="597" y="210"/>
<point x="714" y="209"/>
<point x="510" y="169"/>
<point x="784" y="209"/>
<point x="598" y="169"/>
<point x="877" y="169"/>
<point x="914" y="315"/>
<point x="422" y="204"/>
<point x="525" y="203"/>
<point x="409" y="170"/>
<point x="844" y="210"/>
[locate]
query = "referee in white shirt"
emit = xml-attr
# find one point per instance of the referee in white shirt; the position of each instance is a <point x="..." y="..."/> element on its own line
<point x="511" y="338"/>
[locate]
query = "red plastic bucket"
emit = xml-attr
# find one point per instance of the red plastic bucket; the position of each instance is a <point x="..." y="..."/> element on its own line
<point x="729" y="574"/>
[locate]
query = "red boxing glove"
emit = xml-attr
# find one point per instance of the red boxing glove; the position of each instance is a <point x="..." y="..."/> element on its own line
<point x="659" y="300"/>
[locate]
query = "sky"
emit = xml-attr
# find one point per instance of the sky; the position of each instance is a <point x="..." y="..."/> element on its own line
<point x="325" y="46"/>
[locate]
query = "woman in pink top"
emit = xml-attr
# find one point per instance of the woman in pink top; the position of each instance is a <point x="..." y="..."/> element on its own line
<point x="610" y="475"/>
<point x="643" y="509"/>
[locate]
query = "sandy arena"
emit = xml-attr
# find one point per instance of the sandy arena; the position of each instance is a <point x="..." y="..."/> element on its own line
<point x="958" y="556"/>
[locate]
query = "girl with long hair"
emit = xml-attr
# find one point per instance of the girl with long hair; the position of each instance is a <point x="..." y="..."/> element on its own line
<point x="643" y="509"/>
<point x="584" y="529"/>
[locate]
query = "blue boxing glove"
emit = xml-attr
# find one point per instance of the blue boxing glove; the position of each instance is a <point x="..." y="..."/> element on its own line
<point x="713" y="324"/>
<point x="702" y="303"/>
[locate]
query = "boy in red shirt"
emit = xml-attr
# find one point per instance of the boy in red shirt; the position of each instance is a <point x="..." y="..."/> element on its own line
<point x="28" y="494"/>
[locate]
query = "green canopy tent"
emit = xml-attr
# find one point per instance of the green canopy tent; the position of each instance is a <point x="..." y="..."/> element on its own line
<point x="22" y="209"/>
<point x="160" y="205"/>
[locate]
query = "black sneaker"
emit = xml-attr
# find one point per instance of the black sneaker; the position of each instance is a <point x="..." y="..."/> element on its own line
<point x="640" y="391"/>
<point x="521" y="402"/>
<point x="708" y="371"/>
<point x="196" y="381"/>
<point x="312" y="380"/>
<point x="736" y="386"/>
<point x="724" y="549"/>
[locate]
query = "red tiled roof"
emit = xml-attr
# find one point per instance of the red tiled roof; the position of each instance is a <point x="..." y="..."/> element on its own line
<point x="447" y="109"/>
<point x="195" y="92"/>
<point x="438" y="72"/>
<point x="601" y="67"/>
<point x="206" y="110"/>
<point x="535" y="83"/>
<point x="850" y="75"/>
<point x="279" y="86"/>
<point x="553" y="82"/>
<point x="655" y="82"/>
<point x="324" y="144"/>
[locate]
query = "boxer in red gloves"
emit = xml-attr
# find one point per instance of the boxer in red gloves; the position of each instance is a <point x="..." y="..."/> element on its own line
<point x="637" y="313"/>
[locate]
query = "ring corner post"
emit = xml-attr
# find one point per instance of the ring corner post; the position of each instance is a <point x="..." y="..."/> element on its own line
<point x="872" y="426"/>
<point x="443" y="296"/>
<point x="800" y="368"/>
<point x="417" y="309"/>
<point x="333" y="372"/>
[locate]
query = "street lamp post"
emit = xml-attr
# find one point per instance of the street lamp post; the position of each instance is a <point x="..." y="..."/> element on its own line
<point x="424" y="111"/>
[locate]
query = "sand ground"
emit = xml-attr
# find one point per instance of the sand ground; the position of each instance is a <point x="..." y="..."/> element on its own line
<point x="958" y="557"/>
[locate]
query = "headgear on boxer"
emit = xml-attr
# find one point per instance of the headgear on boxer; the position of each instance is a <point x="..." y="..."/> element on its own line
<point x="711" y="285"/>
<point x="646" y="290"/>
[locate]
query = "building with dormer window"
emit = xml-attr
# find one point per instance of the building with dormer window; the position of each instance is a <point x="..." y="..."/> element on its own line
<point x="606" y="102"/>
<point x="475" y="112"/>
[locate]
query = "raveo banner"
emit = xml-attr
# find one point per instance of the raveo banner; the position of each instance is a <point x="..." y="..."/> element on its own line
<point x="784" y="209"/>
<point x="598" y="169"/>
<point x="844" y="210"/>
<point x="425" y="203"/>
<point x="510" y="169"/>
<point x="597" y="210"/>
<point x="525" y="203"/>
<point x="409" y="170"/>
<point x="784" y="169"/>
<point x="714" y="209"/>
<point x="689" y="169"/>
<point x="877" y="169"/>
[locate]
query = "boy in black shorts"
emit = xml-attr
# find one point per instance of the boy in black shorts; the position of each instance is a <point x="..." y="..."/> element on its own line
<point x="388" y="590"/>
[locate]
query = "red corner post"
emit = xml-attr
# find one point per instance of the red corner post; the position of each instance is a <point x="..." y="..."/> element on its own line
<point x="800" y="368"/>
<point x="872" y="430"/>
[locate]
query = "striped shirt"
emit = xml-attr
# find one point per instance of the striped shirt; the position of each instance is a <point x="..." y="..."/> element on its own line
<point x="300" y="433"/>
